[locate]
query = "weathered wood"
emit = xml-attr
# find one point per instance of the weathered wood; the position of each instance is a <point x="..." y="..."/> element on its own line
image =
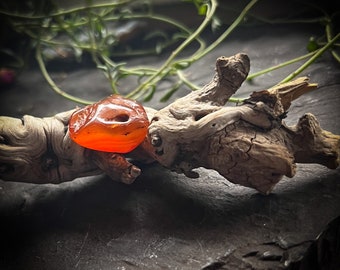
<point x="248" y="144"/>
<point x="39" y="150"/>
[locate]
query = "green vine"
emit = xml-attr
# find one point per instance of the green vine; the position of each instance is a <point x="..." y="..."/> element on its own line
<point x="316" y="50"/>
<point x="87" y="30"/>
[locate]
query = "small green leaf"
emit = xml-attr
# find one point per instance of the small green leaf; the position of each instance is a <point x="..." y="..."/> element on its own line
<point x="179" y="35"/>
<point x="182" y="65"/>
<point x="110" y="40"/>
<point x="202" y="10"/>
<point x="78" y="54"/>
<point x="98" y="29"/>
<point x="159" y="48"/>
<point x="215" y="23"/>
<point x="156" y="34"/>
<point x="114" y="88"/>
<point x="102" y="68"/>
<point x="170" y="92"/>
<point x="149" y="96"/>
<point x="200" y="5"/>
<point x="140" y="78"/>
<point x="312" y="45"/>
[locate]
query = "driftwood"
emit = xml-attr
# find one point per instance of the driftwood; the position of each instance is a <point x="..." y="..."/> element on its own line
<point x="248" y="144"/>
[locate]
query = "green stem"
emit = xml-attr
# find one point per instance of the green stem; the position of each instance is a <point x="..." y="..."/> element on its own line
<point x="236" y="100"/>
<point x="139" y="71"/>
<point x="65" y="12"/>
<point x="158" y="18"/>
<point x="311" y="60"/>
<point x="182" y="77"/>
<point x="62" y="44"/>
<point x="57" y="27"/>
<point x="42" y="66"/>
<point x="287" y="21"/>
<point x="264" y="71"/>
<point x="226" y="33"/>
<point x="329" y="35"/>
<point x="210" y="12"/>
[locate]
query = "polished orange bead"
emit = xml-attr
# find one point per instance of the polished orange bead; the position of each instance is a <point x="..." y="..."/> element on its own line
<point x="114" y="124"/>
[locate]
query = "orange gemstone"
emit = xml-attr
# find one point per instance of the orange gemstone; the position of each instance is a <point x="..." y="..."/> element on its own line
<point x="114" y="124"/>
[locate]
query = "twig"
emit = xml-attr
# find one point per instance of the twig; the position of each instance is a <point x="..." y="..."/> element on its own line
<point x="311" y="60"/>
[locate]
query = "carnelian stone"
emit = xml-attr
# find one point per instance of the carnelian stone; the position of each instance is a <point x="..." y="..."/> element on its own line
<point x="114" y="124"/>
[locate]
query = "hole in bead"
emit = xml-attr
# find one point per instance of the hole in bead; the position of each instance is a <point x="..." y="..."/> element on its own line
<point x="120" y="118"/>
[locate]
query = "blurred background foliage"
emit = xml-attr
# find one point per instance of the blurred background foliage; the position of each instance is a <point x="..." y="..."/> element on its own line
<point x="106" y="34"/>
